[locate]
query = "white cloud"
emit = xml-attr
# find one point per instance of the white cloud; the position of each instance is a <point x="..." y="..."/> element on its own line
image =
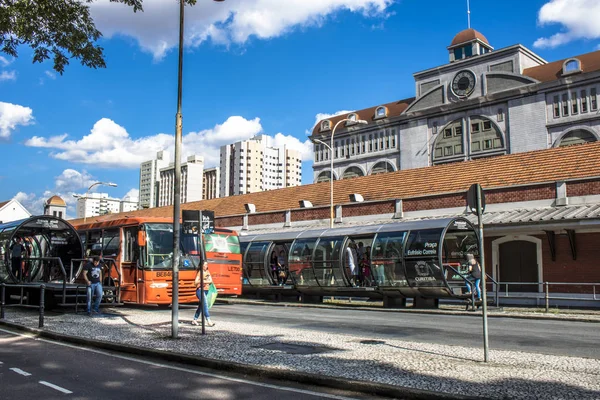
<point x="12" y="115"/>
<point x="50" y="74"/>
<point x="133" y="193"/>
<point x="109" y="144"/>
<point x="8" y="76"/>
<point x="233" y="21"/>
<point x="4" y="62"/>
<point x="68" y="183"/>
<point x="579" y="19"/>
<point x="291" y="142"/>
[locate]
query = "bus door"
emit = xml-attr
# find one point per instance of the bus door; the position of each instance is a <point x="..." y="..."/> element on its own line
<point x="256" y="264"/>
<point x="132" y="281"/>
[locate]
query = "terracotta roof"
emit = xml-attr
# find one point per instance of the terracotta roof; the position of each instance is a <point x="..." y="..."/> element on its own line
<point x="394" y="109"/>
<point x="468" y="35"/>
<point x="540" y="166"/>
<point x="553" y="71"/>
<point x="3" y="203"/>
<point x="56" y="201"/>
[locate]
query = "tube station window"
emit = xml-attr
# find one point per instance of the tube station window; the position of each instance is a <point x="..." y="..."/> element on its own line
<point x="475" y="127"/>
<point x="584" y="104"/>
<point x="593" y="100"/>
<point x="448" y="133"/>
<point x="574" y="105"/>
<point x="556" y="107"/>
<point x="565" y="105"/>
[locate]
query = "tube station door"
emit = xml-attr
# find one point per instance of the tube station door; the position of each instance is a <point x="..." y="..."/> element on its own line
<point x="256" y="263"/>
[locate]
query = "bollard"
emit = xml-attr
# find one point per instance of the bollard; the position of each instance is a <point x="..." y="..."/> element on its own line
<point x="3" y="286"/>
<point x="547" y="297"/>
<point x="42" y="292"/>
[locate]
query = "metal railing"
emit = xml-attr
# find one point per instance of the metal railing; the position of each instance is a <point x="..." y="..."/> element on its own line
<point x="543" y="290"/>
<point x="41" y="306"/>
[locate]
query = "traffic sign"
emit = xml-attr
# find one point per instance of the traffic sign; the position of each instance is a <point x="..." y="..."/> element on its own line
<point x="474" y="191"/>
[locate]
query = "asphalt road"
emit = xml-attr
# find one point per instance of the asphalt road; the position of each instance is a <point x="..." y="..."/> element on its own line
<point x="565" y="338"/>
<point x="40" y="369"/>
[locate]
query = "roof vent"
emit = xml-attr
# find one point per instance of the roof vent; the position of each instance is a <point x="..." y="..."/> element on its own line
<point x="305" y="204"/>
<point x="250" y="208"/>
<point x="356" y="198"/>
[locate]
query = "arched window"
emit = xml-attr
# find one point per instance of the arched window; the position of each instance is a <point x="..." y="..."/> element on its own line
<point x="382" y="167"/>
<point x="352" y="172"/>
<point x="324" y="176"/>
<point x="578" y="136"/>
<point x="571" y="66"/>
<point x="325" y="125"/>
<point x="450" y="141"/>
<point x="485" y="136"/>
<point x="380" y="112"/>
<point x="352" y="118"/>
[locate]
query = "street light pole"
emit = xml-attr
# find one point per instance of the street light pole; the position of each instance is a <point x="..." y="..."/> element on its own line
<point x="360" y="121"/>
<point x="177" y="181"/>
<point x="88" y="191"/>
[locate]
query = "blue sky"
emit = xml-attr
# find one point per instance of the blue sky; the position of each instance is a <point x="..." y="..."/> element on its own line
<point x="251" y="66"/>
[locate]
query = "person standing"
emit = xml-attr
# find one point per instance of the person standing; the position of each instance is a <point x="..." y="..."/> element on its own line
<point x="93" y="280"/>
<point x="474" y="270"/>
<point x="351" y="261"/>
<point x="201" y="293"/>
<point x="16" y="254"/>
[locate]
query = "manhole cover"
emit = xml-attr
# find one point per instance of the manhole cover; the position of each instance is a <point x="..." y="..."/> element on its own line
<point x="296" y="348"/>
<point x="372" y="342"/>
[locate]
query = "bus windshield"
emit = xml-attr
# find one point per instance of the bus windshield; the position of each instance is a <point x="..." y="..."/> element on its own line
<point x="159" y="244"/>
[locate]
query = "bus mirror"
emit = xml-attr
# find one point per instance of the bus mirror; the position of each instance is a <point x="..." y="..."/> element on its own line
<point x="142" y="238"/>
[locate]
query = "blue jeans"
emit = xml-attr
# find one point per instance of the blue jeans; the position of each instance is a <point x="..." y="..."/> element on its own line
<point x="477" y="287"/>
<point x="94" y="290"/>
<point x="203" y="305"/>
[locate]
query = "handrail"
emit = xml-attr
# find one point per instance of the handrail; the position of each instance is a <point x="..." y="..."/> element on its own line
<point x="466" y="279"/>
<point x="62" y="269"/>
<point x="42" y="288"/>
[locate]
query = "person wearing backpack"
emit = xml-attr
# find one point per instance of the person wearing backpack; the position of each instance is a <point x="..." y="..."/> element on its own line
<point x="474" y="270"/>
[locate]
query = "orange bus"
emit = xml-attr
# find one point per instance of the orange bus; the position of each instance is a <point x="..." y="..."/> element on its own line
<point x="142" y="249"/>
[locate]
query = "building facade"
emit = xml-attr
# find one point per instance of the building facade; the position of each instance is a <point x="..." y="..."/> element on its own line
<point x="192" y="177"/>
<point x="150" y="178"/>
<point x="96" y="204"/>
<point x="483" y="103"/>
<point x="12" y="210"/>
<point x="211" y="185"/>
<point x="256" y="165"/>
<point x="129" y="203"/>
<point x="56" y="207"/>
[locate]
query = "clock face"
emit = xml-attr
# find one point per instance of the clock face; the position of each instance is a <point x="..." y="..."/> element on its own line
<point x="463" y="84"/>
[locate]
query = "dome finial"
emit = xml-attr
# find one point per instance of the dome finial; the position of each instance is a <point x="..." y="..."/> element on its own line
<point x="468" y="14"/>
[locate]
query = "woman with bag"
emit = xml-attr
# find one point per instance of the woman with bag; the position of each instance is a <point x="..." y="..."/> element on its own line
<point x="203" y="305"/>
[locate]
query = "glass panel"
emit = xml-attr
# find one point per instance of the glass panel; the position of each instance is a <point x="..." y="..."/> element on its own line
<point x="327" y="262"/>
<point x="300" y="262"/>
<point x="457" y="244"/>
<point x="159" y="245"/>
<point x="110" y="243"/>
<point x="387" y="259"/>
<point x="423" y="243"/>
<point x="468" y="51"/>
<point x="458" y="53"/>
<point x="254" y="264"/>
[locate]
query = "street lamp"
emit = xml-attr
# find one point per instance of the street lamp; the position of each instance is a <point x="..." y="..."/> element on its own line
<point x="330" y="147"/>
<point x="88" y="191"/>
<point x="177" y="180"/>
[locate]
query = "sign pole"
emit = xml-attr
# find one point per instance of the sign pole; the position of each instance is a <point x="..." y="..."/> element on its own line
<point x="486" y="347"/>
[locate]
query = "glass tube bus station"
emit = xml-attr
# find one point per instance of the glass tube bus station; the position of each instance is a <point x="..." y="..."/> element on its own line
<point x="423" y="260"/>
<point x="51" y="250"/>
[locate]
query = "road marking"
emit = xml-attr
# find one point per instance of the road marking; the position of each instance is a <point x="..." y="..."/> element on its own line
<point x="53" y="386"/>
<point x="156" y="364"/>
<point x="20" y="371"/>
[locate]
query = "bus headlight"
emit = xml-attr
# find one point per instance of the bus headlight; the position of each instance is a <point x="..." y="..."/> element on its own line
<point x="161" y="285"/>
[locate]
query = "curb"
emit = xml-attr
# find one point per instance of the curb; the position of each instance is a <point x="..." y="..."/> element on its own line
<point x="575" y="318"/>
<point x="369" y="388"/>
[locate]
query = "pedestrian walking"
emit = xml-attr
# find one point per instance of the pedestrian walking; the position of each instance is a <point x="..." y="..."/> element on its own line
<point x="201" y="293"/>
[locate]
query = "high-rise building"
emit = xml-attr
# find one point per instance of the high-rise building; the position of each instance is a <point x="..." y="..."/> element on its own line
<point x="255" y="165"/>
<point x="149" y="179"/>
<point x="210" y="189"/>
<point x="192" y="172"/>
<point x="129" y="203"/>
<point x="95" y="204"/>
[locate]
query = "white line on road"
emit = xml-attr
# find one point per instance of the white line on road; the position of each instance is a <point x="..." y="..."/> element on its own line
<point x="53" y="386"/>
<point x="20" y="371"/>
<point x="156" y="364"/>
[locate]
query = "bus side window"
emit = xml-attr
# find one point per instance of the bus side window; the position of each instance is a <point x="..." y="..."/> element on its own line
<point x="131" y="251"/>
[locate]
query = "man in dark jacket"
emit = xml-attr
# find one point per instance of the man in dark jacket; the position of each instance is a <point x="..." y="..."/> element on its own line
<point x="93" y="279"/>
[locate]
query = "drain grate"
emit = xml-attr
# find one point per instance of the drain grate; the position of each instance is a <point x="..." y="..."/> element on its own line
<point x="296" y="348"/>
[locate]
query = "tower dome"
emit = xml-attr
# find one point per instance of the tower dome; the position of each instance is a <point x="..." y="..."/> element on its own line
<point x="468" y="35"/>
<point x="468" y="43"/>
<point x="56" y="201"/>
